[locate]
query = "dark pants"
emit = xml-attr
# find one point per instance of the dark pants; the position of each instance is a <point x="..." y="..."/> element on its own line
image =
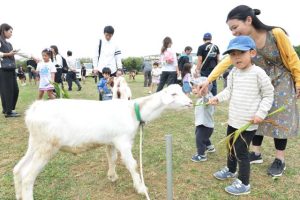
<point x="203" y="134"/>
<point x="147" y="78"/>
<point x="166" y="78"/>
<point x="58" y="75"/>
<point x="71" y="76"/>
<point x="9" y="90"/>
<point x="214" y="89"/>
<point x="240" y="154"/>
<point x="280" y="144"/>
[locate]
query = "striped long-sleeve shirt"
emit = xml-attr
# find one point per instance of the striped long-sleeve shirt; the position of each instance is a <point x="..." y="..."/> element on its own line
<point x="250" y="93"/>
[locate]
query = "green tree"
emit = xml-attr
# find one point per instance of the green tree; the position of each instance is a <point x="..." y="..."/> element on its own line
<point x="85" y="60"/>
<point x="133" y="63"/>
<point x="297" y="49"/>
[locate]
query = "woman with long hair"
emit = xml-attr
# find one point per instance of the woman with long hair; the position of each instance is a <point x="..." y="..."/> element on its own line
<point x="276" y="55"/>
<point x="169" y="64"/>
<point x="9" y="89"/>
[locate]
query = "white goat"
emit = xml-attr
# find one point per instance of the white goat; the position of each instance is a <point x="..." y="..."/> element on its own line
<point x="54" y="125"/>
<point x="121" y="89"/>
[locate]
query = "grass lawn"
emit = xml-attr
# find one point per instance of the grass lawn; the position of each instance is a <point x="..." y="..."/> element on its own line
<point x="69" y="177"/>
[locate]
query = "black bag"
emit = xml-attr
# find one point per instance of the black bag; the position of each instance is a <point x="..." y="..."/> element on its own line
<point x="7" y="63"/>
<point x="65" y="66"/>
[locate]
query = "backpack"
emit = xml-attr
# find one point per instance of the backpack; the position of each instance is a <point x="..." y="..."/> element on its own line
<point x="65" y="67"/>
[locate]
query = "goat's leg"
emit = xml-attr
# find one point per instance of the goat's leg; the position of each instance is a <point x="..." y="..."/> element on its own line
<point x="112" y="156"/>
<point x="18" y="171"/>
<point x="130" y="162"/>
<point x="40" y="158"/>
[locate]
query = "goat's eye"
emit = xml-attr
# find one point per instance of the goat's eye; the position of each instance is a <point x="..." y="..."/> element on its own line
<point x="174" y="94"/>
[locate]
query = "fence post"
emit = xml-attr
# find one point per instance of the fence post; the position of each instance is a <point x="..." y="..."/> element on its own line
<point x="169" y="167"/>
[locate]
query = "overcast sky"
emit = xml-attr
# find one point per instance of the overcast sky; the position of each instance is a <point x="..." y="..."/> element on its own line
<point x="140" y="25"/>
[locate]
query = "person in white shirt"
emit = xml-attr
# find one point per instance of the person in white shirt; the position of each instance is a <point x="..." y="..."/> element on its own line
<point x="168" y="60"/>
<point x="107" y="54"/>
<point x="58" y="62"/>
<point x="71" y="75"/>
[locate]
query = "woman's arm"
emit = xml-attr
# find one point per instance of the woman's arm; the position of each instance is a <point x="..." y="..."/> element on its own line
<point x="219" y="69"/>
<point x="288" y="54"/>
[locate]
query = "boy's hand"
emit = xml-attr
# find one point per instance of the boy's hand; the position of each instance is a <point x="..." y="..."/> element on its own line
<point x="213" y="101"/>
<point x="256" y="120"/>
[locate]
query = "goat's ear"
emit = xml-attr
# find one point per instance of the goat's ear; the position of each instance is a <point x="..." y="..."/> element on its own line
<point x="167" y="98"/>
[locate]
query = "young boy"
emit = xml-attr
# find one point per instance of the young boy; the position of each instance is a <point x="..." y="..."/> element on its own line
<point x="204" y="123"/>
<point x="250" y="94"/>
<point x="105" y="92"/>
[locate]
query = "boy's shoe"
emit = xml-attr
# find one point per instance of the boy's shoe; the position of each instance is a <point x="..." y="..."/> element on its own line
<point x="238" y="188"/>
<point x="254" y="159"/>
<point x="277" y="168"/>
<point x="210" y="149"/>
<point x="198" y="158"/>
<point x="224" y="174"/>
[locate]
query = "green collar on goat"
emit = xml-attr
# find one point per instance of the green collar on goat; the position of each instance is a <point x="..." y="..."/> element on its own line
<point x="138" y="113"/>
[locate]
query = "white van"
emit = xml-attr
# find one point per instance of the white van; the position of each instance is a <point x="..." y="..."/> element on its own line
<point x="78" y="69"/>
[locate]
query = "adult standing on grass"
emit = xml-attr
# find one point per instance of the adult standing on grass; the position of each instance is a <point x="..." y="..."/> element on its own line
<point x="9" y="89"/>
<point x="71" y="75"/>
<point x="147" y="68"/>
<point x="169" y="65"/>
<point x="277" y="57"/>
<point x="58" y="62"/>
<point x="208" y="57"/>
<point x="107" y="54"/>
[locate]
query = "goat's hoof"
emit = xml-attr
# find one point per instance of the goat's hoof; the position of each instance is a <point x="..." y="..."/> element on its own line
<point x="142" y="189"/>
<point x="112" y="177"/>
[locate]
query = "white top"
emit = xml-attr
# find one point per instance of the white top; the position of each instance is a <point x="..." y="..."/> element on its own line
<point x="58" y="61"/>
<point x="45" y="69"/>
<point x="156" y="72"/>
<point x="71" y="63"/>
<point x="110" y="56"/>
<point x="22" y="54"/>
<point x="169" y="67"/>
<point x="250" y="93"/>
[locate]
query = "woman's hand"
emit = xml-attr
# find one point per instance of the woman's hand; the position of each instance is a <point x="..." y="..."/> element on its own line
<point x="202" y="88"/>
<point x="10" y="54"/>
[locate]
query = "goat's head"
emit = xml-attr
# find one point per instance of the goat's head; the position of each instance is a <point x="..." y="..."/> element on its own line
<point x="173" y="97"/>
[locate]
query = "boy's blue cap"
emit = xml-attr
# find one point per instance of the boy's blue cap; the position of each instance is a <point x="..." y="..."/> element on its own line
<point x="241" y="43"/>
<point x="207" y="36"/>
